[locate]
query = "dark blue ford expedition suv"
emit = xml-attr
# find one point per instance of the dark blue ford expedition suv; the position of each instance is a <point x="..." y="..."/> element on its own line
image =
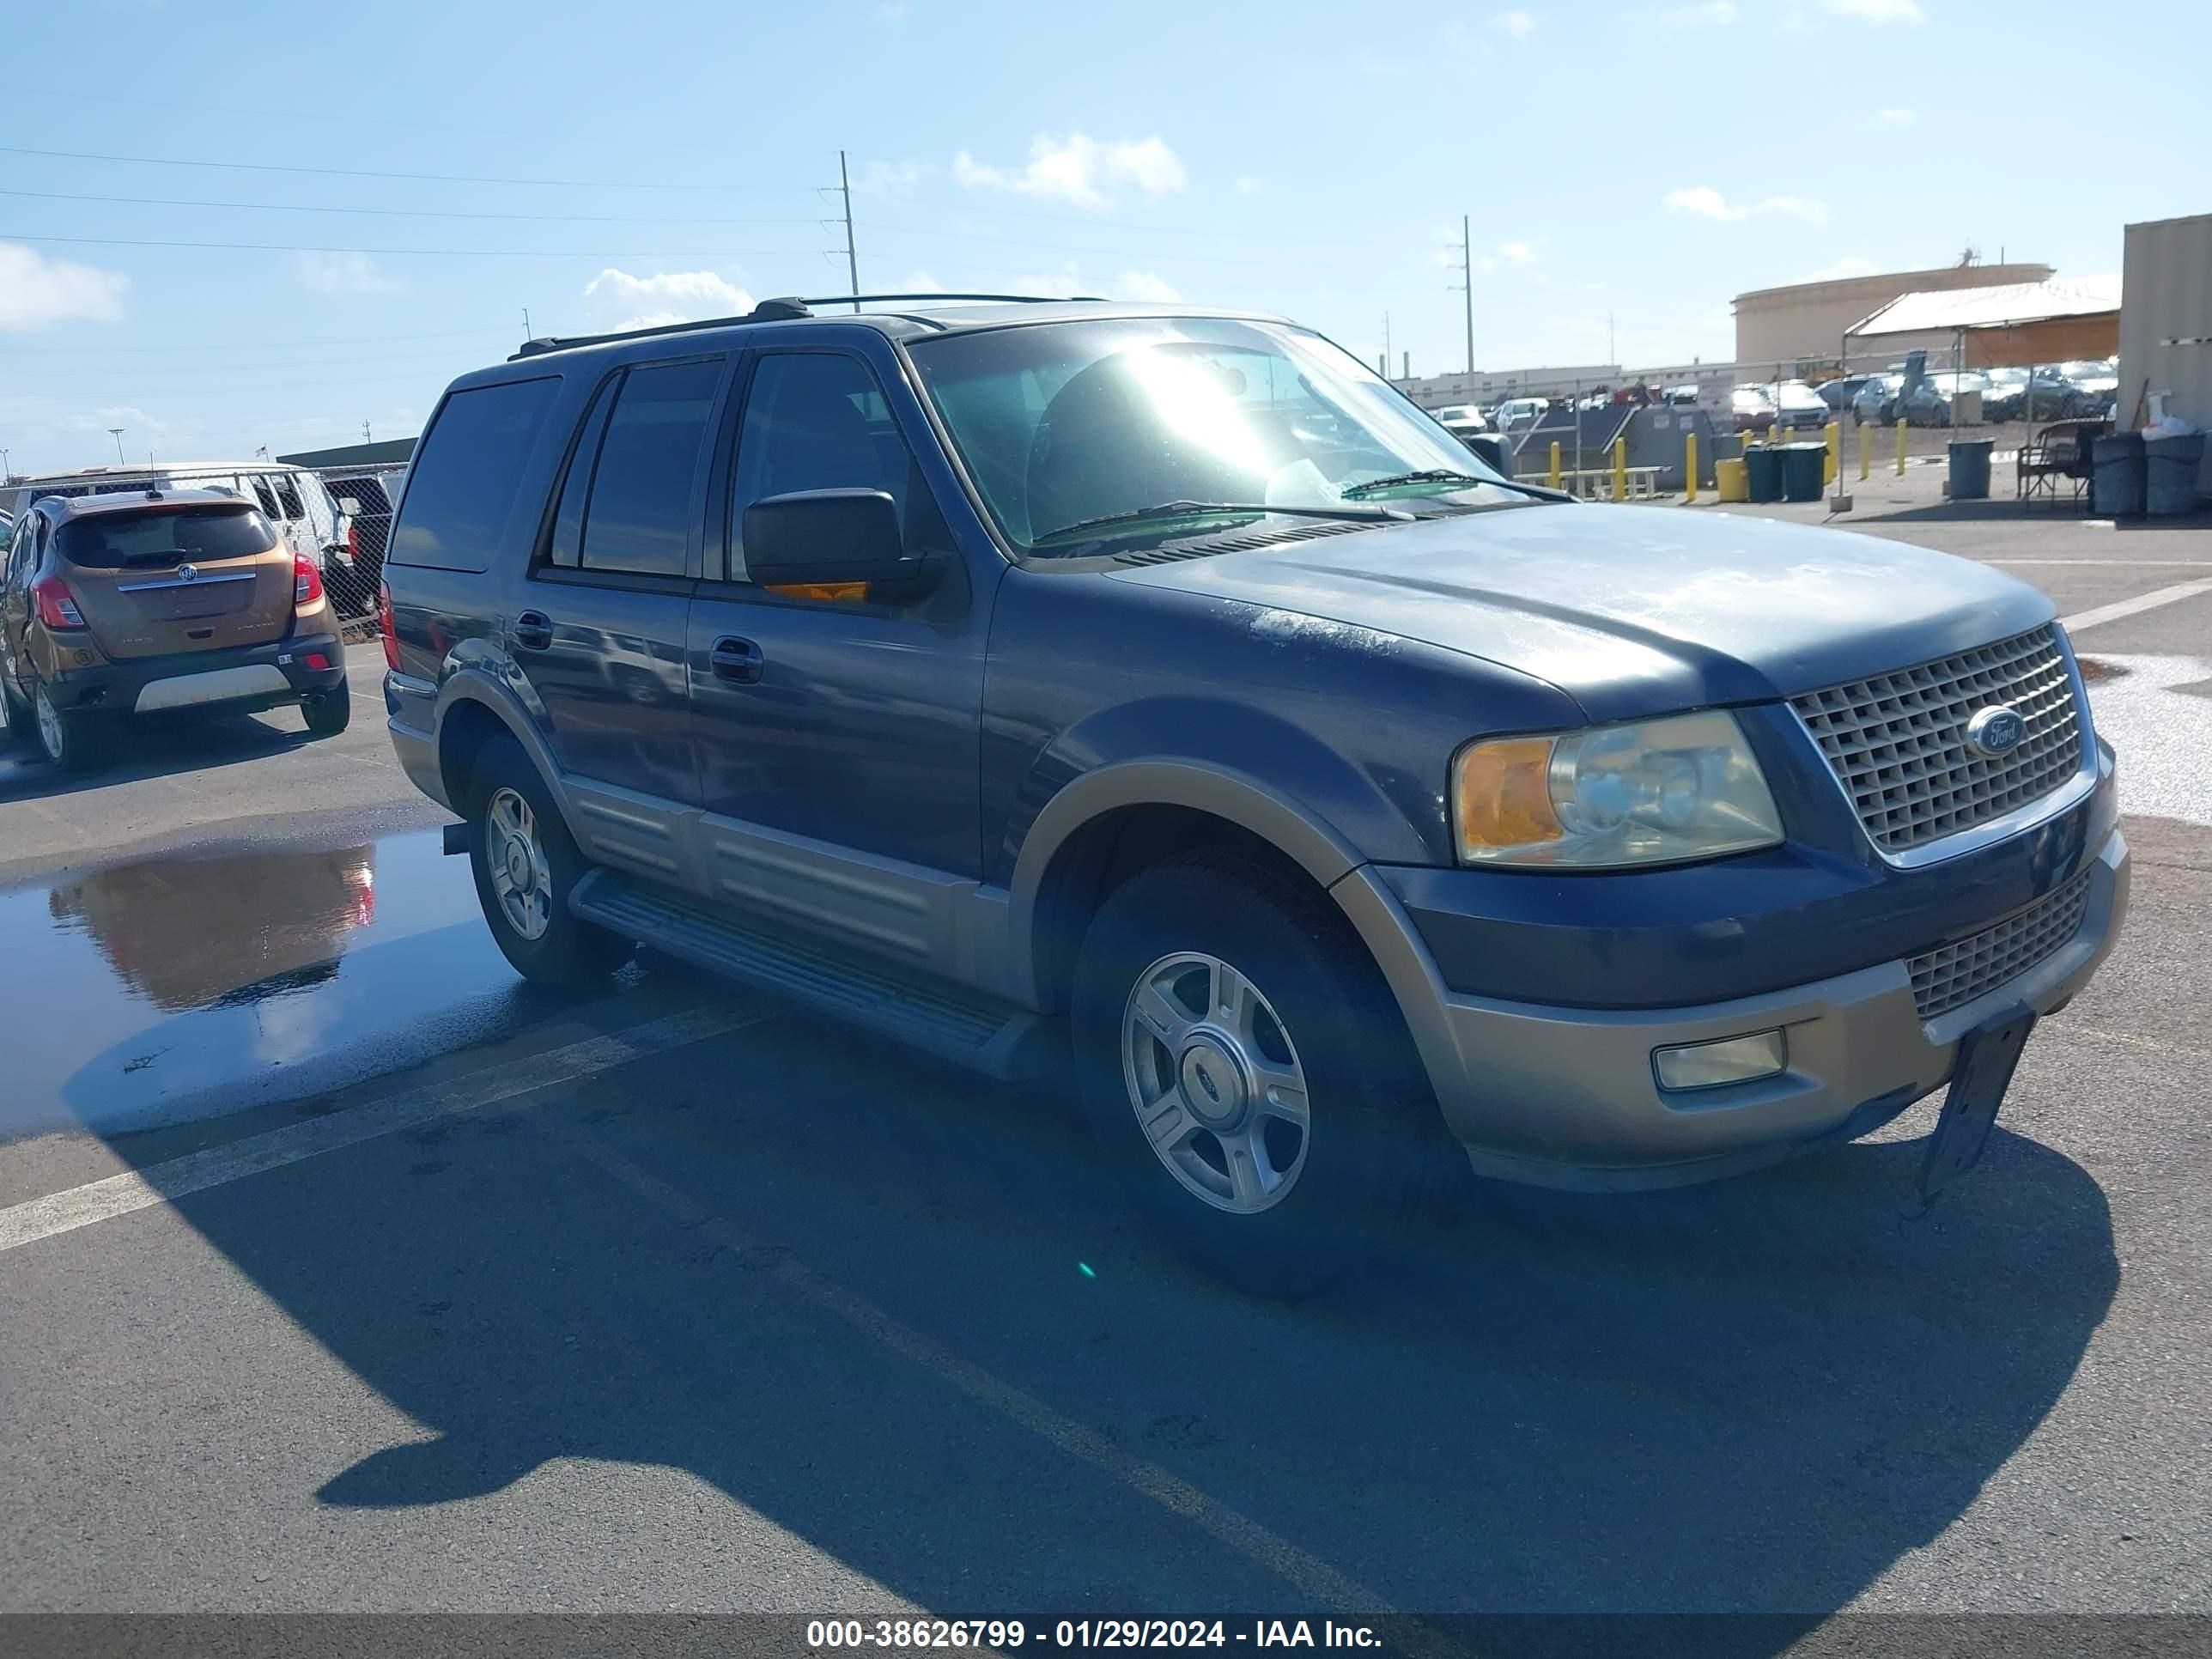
<point x="1161" y="681"/>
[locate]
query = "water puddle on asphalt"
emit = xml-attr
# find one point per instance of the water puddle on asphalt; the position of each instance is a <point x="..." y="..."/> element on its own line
<point x="191" y="985"/>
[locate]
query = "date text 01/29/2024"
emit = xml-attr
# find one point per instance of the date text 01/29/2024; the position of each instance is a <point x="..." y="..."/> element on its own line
<point x="1006" y="1635"/>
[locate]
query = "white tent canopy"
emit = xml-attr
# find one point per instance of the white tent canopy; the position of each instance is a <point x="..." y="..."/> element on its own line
<point x="2010" y="305"/>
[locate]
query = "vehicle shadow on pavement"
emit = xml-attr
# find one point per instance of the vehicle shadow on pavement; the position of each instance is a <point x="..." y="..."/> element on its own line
<point x="885" y="1307"/>
<point x="148" y="747"/>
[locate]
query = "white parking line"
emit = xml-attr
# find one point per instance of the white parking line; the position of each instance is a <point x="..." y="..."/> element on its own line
<point x="138" y="1189"/>
<point x="2150" y="601"/>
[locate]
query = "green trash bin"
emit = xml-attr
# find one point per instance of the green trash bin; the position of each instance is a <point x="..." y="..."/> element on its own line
<point x="1762" y="468"/>
<point x="1804" y="470"/>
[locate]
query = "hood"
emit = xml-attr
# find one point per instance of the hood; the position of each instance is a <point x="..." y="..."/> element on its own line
<point x="1634" y="610"/>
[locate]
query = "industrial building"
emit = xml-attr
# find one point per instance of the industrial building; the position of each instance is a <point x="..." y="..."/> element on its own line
<point x="1806" y="320"/>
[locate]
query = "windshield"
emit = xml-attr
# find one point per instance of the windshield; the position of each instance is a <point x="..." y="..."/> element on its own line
<point x="1065" y="424"/>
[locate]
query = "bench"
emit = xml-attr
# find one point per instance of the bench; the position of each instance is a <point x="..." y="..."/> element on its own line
<point x="2061" y="451"/>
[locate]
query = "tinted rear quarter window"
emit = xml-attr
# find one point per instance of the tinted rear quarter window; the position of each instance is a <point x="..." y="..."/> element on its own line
<point x="464" y="487"/>
<point x="115" y="539"/>
<point x="639" y="517"/>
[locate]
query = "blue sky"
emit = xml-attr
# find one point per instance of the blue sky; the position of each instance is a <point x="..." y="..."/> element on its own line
<point x="1641" y="161"/>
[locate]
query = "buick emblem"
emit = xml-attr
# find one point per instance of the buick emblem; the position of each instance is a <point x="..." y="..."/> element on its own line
<point x="1995" y="730"/>
<point x="191" y="573"/>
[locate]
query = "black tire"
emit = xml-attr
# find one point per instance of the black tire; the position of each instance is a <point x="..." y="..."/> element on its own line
<point x="22" y="724"/>
<point x="331" y="715"/>
<point x="570" y="951"/>
<point x="70" y="743"/>
<point x="1374" y="1149"/>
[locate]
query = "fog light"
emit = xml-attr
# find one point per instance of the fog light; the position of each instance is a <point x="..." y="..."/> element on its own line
<point x="318" y="663"/>
<point x="1732" y="1059"/>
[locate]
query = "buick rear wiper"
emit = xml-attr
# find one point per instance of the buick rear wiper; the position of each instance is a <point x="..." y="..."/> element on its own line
<point x="1208" y="509"/>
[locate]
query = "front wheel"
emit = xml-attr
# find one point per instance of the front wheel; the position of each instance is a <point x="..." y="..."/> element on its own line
<point x="525" y="866"/>
<point x="1248" y="1073"/>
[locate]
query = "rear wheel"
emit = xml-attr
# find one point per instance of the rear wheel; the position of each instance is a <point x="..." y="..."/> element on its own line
<point x="525" y="866"/>
<point x="65" y="735"/>
<point x="330" y="715"/>
<point x="1249" y="1076"/>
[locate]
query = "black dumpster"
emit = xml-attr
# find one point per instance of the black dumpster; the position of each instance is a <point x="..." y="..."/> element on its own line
<point x="2117" y="487"/>
<point x="2170" y="466"/>
<point x="1970" y="469"/>
<point x="1804" y="472"/>
<point x="1762" y="471"/>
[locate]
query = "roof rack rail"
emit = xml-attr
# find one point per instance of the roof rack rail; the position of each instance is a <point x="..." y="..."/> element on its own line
<point x="786" y="308"/>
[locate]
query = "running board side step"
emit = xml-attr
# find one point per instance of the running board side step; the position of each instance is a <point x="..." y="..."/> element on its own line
<point x="964" y="1026"/>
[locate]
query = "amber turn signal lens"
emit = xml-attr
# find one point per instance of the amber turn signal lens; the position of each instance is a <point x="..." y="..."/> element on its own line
<point x="1504" y="796"/>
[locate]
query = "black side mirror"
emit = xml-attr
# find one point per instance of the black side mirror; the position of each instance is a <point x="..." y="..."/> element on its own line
<point x="827" y="539"/>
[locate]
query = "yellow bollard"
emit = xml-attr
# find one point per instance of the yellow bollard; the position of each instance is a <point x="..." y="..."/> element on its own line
<point x="1689" y="468"/>
<point x="1555" y="464"/>
<point x="1900" y="446"/>
<point x="1620" y="469"/>
<point x="1866" y="455"/>
<point x="1832" y="467"/>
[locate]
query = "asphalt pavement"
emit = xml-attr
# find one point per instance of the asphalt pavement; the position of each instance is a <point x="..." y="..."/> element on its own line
<point x="339" y="1272"/>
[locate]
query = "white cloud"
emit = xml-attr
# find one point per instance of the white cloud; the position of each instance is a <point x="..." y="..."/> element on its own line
<point x="1518" y="253"/>
<point x="1080" y="169"/>
<point x="343" y="273"/>
<point x="890" y="178"/>
<point x="671" y="297"/>
<point x="1851" y="266"/>
<point x="1899" y="117"/>
<point x="1704" y="201"/>
<point x="920" y="282"/>
<point x="141" y="429"/>
<point x="892" y="13"/>
<point x="1514" y="25"/>
<point x="1711" y="14"/>
<point x="1066" y="282"/>
<point x="36" y="291"/>
<point x="1246" y="185"/>
<point x="1877" y="11"/>
<point x="1144" y="285"/>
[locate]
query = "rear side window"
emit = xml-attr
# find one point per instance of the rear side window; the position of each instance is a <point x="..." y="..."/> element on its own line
<point x="638" y="515"/>
<point x="466" y="481"/>
<point x="288" y="504"/>
<point x="116" y="539"/>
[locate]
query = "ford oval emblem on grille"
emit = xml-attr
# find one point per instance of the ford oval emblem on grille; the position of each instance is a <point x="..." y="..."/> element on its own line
<point x="191" y="573"/>
<point x="1996" y="729"/>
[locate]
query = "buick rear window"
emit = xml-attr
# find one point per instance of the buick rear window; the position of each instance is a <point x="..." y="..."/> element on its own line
<point x="179" y="537"/>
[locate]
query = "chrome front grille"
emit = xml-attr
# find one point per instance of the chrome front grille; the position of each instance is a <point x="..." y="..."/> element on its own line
<point x="1951" y="976"/>
<point x="1898" y="742"/>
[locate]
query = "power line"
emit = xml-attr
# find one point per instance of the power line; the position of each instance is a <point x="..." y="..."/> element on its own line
<point x="461" y="252"/>
<point x="234" y="346"/>
<point x="426" y="178"/>
<point x="404" y="213"/>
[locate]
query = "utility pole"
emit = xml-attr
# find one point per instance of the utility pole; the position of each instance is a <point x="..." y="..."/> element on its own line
<point x="1386" y="346"/>
<point x="1467" y="287"/>
<point x="116" y="433"/>
<point x="526" y="324"/>
<point x="852" y="259"/>
<point x="365" y="438"/>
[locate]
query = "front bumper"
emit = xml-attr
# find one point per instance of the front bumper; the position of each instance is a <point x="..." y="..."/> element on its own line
<point x="1566" y="1097"/>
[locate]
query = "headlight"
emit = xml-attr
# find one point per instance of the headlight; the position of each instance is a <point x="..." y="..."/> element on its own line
<point x="1654" y="792"/>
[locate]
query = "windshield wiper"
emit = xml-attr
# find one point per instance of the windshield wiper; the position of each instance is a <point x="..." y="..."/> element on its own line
<point x="1437" y="475"/>
<point x="1206" y="509"/>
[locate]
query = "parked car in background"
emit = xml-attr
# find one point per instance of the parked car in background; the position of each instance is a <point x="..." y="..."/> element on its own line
<point x="1890" y="399"/>
<point x="290" y="497"/>
<point x="114" y="605"/>
<point x="2096" y="385"/>
<point x="1520" y="411"/>
<point x="1462" y="421"/>
<point x="366" y="499"/>
<point x="1839" y="393"/>
<point x="1339" y="806"/>
<point x="1753" y="409"/>
<point x="1797" y="406"/>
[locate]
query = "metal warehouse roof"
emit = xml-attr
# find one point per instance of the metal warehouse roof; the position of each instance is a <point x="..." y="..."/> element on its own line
<point x="1928" y="311"/>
